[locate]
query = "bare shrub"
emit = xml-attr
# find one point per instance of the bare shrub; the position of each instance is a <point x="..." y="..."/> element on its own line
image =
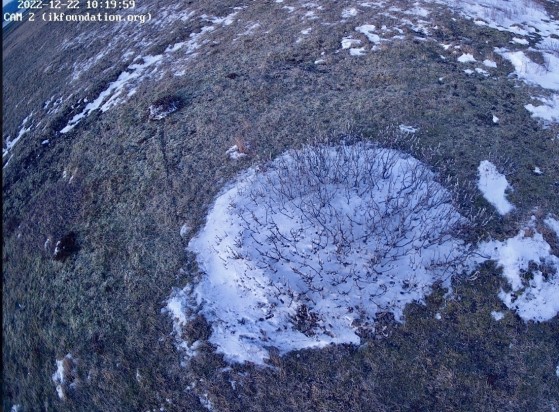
<point x="164" y="106"/>
<point x="354" y="202"/>
<point x="243" y="145"/>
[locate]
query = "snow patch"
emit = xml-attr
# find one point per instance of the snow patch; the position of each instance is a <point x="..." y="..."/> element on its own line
<point x="110" y="96"/>
<point x="521" y="17"/>
<point x="553" y="224"/>
<point x="184" y="230"/>
<point x="408" y="129"/>
<point x="10" y="143"/>
<point x="357" y="52"/>
<point x="531" y="271"/>
<point x="278" y="274"/>
<point x="349" y="12"/>
<point x="494" y="185"/>
<point x="531" y="72"/>
<point x="234" y="153"/>
<point x="497" y="315"/>
<point x="177" y="308"/>
<point x="467" y="58"/>
<point x="66" y="375"/>
<point x="520" y="41"/>
<point x="349" y="42"/>
<point x="369" y="31"/>
<point x="547" y="111"/>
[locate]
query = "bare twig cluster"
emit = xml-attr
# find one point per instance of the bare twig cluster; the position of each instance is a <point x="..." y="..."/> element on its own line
<point x="343" y="218"/>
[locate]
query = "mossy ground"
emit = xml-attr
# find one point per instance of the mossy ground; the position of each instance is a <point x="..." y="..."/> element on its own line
<point x="136" y="182"/>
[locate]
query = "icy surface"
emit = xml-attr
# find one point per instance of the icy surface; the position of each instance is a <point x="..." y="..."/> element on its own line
<point x="494" y="185"/>
<point x="309" y="263"/>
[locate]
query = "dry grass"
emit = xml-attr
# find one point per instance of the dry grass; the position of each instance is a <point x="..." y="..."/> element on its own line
<point x="139" y="182"/>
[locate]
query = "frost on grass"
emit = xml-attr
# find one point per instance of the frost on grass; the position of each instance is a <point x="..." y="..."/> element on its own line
<point x="494" y="185"/>
<point x="531" y="270"/>
<point x="304" y="252"/>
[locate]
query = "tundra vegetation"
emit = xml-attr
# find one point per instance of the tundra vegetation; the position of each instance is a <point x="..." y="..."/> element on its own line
<point x="120" y="138"/>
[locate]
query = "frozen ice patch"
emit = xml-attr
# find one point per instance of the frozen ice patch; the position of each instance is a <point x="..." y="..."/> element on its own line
<point x="494" y="185"/>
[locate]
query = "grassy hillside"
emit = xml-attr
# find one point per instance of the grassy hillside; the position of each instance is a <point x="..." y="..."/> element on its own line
<point x="82" y="156"/>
